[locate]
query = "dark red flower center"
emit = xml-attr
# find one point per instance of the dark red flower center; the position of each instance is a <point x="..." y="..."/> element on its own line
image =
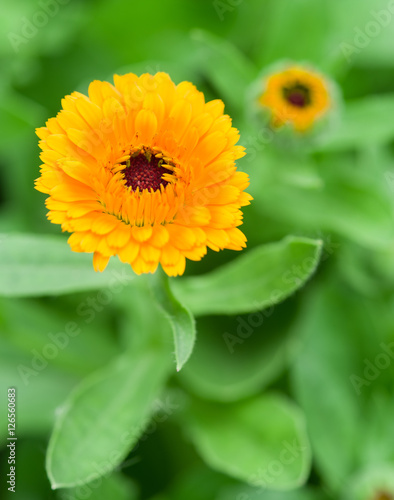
<point x="144" y="171"/>
<point x="297" y="95"/>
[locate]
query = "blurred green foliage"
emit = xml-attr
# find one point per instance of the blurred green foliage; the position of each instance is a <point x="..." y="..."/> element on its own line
<point x="312" y="374"/>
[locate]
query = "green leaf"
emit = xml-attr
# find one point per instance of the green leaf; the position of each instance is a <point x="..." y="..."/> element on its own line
<point x="45" y="265"/>
<point x="377" y="433"/>
<point x="363" y="34"/>
<point x="355" y="263"/>
<point x="104" y="417"/>
<point x="261" y="441"/>
<point x="353" y="202"/>
<point x="364" y="121"/>
<point x="259" y="278"/>
<point x="329" y="357"/>
<point x="198" y="482"/>
<point x="236" y="357"/>
<point x="307" y="22"/>
<point x="63" y="340"/>
<point x="114" y="487"/>
<point x="249" y="493"/>
<point x="42" y="38"/>
<point x="347" y="351"/>
<point x="180" y="318"/>
<point x="228" y="69"/>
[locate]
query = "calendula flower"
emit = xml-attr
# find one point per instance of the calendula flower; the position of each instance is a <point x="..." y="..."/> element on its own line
<point x="296" y="95"/>
<point x="144" y="169"/>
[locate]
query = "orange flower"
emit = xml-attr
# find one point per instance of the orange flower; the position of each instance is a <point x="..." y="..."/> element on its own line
<point x="144" y="169"/>
<point x="296" y="95"/>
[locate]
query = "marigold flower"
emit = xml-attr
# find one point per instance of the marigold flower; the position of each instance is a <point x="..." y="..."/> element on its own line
<point x="144" y="169"/>
<point x="296" y="95"/>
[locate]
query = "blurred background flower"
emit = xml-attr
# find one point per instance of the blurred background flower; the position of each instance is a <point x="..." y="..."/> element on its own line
<point x="295" y="95"/>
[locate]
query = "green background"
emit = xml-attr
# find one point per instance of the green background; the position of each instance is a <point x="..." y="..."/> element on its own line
<point x="317" y="368"/>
